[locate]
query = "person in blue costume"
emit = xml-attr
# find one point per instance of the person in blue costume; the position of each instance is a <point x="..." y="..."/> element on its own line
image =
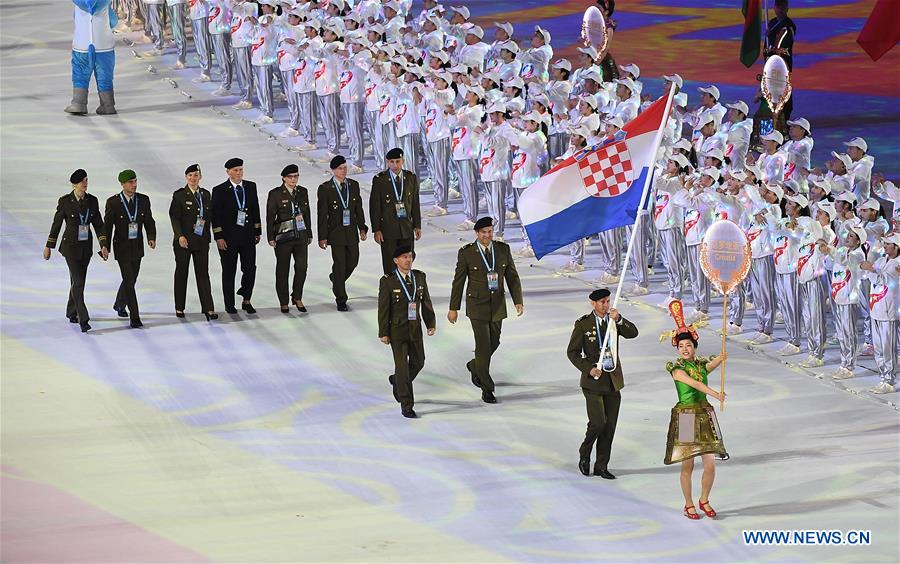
<point x="93" y="54"/>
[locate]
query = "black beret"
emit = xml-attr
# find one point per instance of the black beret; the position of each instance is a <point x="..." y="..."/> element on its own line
<point x="483" y="222"/>
<point x="192" y="168"/>
<point x="337" y="161"/>
<point x="402" y="250"/>
<point x="78" y="176"/>
<point x="395" y="153"/>
<point x="599" y="294"/>
<point x="234" y="162"/>
<point x="290" y="169"/>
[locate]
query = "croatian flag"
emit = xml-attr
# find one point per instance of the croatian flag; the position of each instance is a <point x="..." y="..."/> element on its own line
<point x="599" y="188"/>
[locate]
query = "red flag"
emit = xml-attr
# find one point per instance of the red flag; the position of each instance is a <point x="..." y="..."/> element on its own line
<point x="882" y="29"/>
<point x="752" y="10"/>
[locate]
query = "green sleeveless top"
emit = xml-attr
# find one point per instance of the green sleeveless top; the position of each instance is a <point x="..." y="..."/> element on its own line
<point x="696" y="369"/>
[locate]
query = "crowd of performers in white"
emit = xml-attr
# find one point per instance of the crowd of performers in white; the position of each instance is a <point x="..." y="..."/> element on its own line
<point x="482" y="121"/>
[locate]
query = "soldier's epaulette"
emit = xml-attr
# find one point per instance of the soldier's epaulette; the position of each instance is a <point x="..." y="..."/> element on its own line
<point x="466" y="246"/>
<point x="585" y="316"/>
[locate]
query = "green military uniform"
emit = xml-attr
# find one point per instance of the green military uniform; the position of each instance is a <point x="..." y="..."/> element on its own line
<point x="128" y="252"/>
<point x="333" y="200"/>
<point x="79" y="216"/>
<point x="405" y="333"/>
<point x="602" y="395"/>
<point x="289" y="225"/>
<point x="383" y="211"/>
<point x="485" y="308"/>
<point x="189" y="214"/>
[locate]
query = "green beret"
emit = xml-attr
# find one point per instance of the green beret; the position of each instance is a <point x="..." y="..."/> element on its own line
<point x="126" y="175"/>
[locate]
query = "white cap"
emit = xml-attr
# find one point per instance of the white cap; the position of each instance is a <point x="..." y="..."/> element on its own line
<point x="858" y="142"/>
<point x="682" y="144"/>
<point x="711" y="172"/>
<point x="475" y="30"/>
<point x="870" y="204"/>
<point x="377" y="28"/>
<point x="581" y="130"/>
<point x="544" y="33"/>
<point x="740" y="106"/>
<point x="336" y="26"/>
<point x="355" y="16"/>
<point x="515" y="82"/>
<point x="442" y="55"/>
<point x="680" y="159"/>
<point x="313" y="23"/>
<point x="705" y="117"/>
<point x="715" y="153"/>
<point x="676" y="78"/>
<point x="444" y="75"/>
<point x="738" y="175"/>
<point x="776" y="189"/>
<point x="828" y="208"/>
<point x="461" y="10"/>
<point x="680" y="100"/>
<point x="339" y="3"/>
<point x="497" y="107"/>
<point x="800" y="122"/>
<point x="859" y="231"/>
<point x="392" y="4"/>
<point x="272" y="3"/>
<point x="589" y="100"/>
<point x="844" y="158"/>
<point x="589" y="51"/>
<point x="505" y="26"/>
<point x="792" y="184"/>
<point x="492" y="75"/>
<point x="774" y="135"/>
<point x="477" y="90"/>
<point x="627" y="83"/>
<point x="820" y="181"/>
<point x="515" y="105"/>
<point x="846" y="196"/>
<point x="510" y="46"/>
<point x="459" y="69"/>
<point x="711" y="90"/>
<point x="533" y="116"/>
<point x="541" y="99"/>
<point x="633" y="69"/>
<point x="592" y="74"/>
<point x="616" y="120"/>
<point x="893" y="239"/>
<point x="563" y="64"/>
<point x="798" y="199"/>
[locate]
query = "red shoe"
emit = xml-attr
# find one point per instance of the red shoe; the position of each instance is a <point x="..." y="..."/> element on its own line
<point x="695" y="516"/>
<point x="707" y="508"/>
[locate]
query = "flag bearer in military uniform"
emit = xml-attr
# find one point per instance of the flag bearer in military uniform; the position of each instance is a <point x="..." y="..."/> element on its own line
<point x="485" y="264"/>
<point x="394" y="208"/>
<point x="403" y="304"/>
<point x="80" y="211"/>
<point x="601" y="379"/>
<point x="126" y="218"/>
<point x="342" y="223"/>
<point x="289" y="232"/>
<point x="189" y="213"/>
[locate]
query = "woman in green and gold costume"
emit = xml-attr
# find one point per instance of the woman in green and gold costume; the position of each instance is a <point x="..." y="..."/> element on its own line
<point x="693" y="427"/>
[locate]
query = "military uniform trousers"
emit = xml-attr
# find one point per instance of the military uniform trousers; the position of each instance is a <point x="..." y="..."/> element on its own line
<point x="183" y="259"/>
<point x="126" y="296"/>
<point x="246" y="252"/>
<point x="284" y="252"/>
<point x="345" y="259"/>
<point x="487" y="340"/>
<point x="77" y="276"/>
<point x="409" y="359"/>
<point x="603" y="415"/>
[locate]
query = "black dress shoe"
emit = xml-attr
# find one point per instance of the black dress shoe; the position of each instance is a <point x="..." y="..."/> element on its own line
<point x="393" y="387"/>
<point x="604" y="473"/>
<point x="342" y="306"/>
<point x="488" y="397"/>
<point x="230" y="309"/>
<point x="85" y="327"/>
<point x="285" y="309"/>
<point x="584" y="465"/>
<point x="73" y="319"/>
<point x="179" y="314"/>
<point x="248" y="307"/>
<point x="409" y="413"/>
<point x="211" y="316"/>
<point x="300" y="307"/>
<point x="121" y="311"/>
<point x="136" y="324"/>
<point x="476" y="381"/>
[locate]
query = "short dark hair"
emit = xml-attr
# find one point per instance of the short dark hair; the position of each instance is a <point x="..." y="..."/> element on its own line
<point x="685" y="336"/>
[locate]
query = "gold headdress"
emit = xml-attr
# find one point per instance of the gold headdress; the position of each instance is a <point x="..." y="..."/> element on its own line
<point x="676" y="310"/>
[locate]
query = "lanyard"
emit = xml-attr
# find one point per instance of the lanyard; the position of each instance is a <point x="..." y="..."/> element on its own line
<point x="597" y="325"/>
<point x="199" y="197"/>
<point x="241" y="202"/>
<point x="131" y="219"/>
<point x="344" y="203"/>
<point x="409" y="297"/>
<point x="493" y="264"/>
<point x="86" y="217"/>
<point x="398" y="195"/>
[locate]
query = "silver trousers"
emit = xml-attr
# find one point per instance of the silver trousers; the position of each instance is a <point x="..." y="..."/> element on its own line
<point x="556" y="144"/>
<point x="788" y="294"/>
<point x="376" y="135"/>
<point x="737" y="304"/>
<point x="389" y="136"/>
<point x="330" y="106"/>
<point x="176" y="15"/>
<point x="863" y="309"/>
<point x="202" y="45"/>
<point x="845" y="317"/>
<point x="308" y="108"/>
<point x="221" y="43"/>
<point x="884" y="337"/>
<point x="812" y="300"/>
<point x="638" y="257"/>
<point x="263" y="79"/>
<point x="576" y="251"/>
<point x="763" y="272"/>
<point x="439" y="158"/>
<point x="410" y="145"/>
<point x="354" y="113"/>
<point x="699" y="281"/>
<point x="292" y="101"/>
<point x="674" y="258"/>
<point x="610" y="244"/>
<point x="468" y="188"/>
<point x="495" y="196"/>
<point x="155" y="24"/>
<point x="244" y="71"/>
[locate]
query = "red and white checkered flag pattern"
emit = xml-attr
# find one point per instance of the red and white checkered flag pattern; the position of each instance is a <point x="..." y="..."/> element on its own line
<point x="607" y="172"/>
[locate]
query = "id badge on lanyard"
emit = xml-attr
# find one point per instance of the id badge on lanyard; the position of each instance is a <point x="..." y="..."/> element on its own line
<point x="132" y="230"/>
<point x="198" y="226"/>
<point x="241" y="207"/>
<point x="132" y="219"/>
<point x="399" y="205"/>
<point x="83" y="232"/>
<point x="493" y="281"/>
<point x="401" y="210"/>
<point x="299" y="222"/>
<point x="412" y="311"/>
<point x="346" y="220"/>
<point x="241" y="218"/>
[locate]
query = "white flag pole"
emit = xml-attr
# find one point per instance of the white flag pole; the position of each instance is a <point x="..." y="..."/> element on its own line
<point x="644" y="193"/>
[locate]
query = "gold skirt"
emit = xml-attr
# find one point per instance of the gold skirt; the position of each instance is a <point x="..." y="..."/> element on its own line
<point x="693" y="430"/>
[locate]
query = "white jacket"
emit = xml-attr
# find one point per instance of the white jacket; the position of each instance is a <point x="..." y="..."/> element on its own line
<point x="493" y="159"/>
<point x="884" y="300"/>
<point x="845" y="276"/>
<point x="219" y="18"/>
<point x="666" y="213"/>
<point x="465" y="142"/>
<point x="531" y="151"/>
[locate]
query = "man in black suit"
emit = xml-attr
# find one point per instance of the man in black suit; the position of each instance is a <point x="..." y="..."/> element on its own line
<point x="342" y="223"/>
<point x="126" y="217"/>
<point x="80" y="211"/>
<point x="394" y="209"/>
<point x="601" y="378"/>
<point x="189" y="213"/>
<point x="237" y="228"/>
